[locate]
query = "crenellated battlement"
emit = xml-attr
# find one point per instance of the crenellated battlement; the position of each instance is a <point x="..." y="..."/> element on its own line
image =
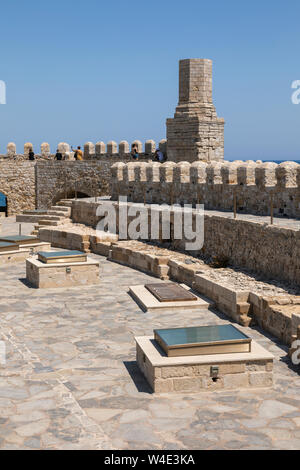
<point x="216" y="184"/>
<point x="91" y="151"/>
<point x="251" y="173"/>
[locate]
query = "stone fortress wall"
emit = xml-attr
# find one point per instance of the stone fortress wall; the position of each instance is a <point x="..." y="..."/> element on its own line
<point x="213" y="184"/>
<point x="18" y="183"/>
<point x="41" y="183"/>
<point x="98" y="151"/>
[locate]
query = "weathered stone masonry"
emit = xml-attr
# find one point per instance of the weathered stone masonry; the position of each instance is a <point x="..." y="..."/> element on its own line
<point x="213" y="185"/>
<point x="57" y="180"/>
<point x="271" y="250"/>
<point x="29" y="185"/>
<point x="17" y="182"/>
<point x="195" y="132"/>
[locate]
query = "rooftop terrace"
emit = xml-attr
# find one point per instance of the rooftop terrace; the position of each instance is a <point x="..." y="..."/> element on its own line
<point x="71" y="380"/>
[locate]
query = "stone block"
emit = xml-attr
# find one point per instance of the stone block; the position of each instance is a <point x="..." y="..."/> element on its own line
<point x="261" y="379"/>
<point x="42" y="275"/>
<point x="163" y="386"/>
<point x="188" y="384"/>
<point x="193" y="373"/>
<point x="236" y="381"/>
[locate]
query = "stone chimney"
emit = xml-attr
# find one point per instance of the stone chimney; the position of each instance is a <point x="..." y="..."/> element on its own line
<point x="195" y="132"/>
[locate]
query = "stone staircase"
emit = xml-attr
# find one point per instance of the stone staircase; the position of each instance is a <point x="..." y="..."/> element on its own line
<point x="55" y="216"/>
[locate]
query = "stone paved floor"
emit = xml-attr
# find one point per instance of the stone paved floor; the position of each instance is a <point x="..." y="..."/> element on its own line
<point x="71" y="381"/>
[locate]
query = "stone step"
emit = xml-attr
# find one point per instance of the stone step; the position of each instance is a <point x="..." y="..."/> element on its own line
<point x="34" y="212"/>
<point x="54" y="223"/>
<point x="52" y="217"/>
<point x="28" y="218"/>
<point x="61" y="208"/>
<point x="65" y="203"/>
<point x="57" y="213"/>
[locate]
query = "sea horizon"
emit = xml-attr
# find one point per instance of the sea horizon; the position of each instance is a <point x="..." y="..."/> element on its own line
<point x="272" y="161"/>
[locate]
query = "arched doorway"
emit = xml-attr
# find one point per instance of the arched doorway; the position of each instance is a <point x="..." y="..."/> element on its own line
<point x="3" y="205"/>
<point x="69" y="195"/>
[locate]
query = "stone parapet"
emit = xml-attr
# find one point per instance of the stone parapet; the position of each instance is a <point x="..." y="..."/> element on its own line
<point x="255" y="186"/>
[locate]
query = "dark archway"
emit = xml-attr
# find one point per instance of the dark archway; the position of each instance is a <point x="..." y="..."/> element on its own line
<point x="69" y="195"/>
<point x="3" y="204"/>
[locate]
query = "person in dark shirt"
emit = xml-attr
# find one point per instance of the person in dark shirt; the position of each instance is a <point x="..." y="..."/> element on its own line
<point x="134" y="152"/>
<point x="159" y="156"/>
<point x="58" y="155"/>
<point x="31" y="155"/>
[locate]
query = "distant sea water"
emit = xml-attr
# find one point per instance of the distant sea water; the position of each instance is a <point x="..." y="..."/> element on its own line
<point x="273" y="161"/>
<point x="281" y="161"/>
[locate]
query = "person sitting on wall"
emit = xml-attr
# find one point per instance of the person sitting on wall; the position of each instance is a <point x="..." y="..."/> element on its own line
<point x="31" y="155"/>
<point x="159" y="156"/>
<point x="58" y="155"/>
<point x="134" y="152"/>
<point x="78" y="155"/>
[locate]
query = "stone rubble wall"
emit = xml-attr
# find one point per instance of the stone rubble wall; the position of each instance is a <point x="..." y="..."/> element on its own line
<point x="68" y="239"/>
<point x="58" y="180"/>
<point x="17" y="183"/>
<point x="213" y="185"/>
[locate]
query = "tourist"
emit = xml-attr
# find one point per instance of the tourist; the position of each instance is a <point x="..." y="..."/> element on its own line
<point x="31" y="155"/>
<point x="159" y="156"/>
<point x="78" y="155"/>
<point x="58" y="155"/>
<point x="134" y="152"/>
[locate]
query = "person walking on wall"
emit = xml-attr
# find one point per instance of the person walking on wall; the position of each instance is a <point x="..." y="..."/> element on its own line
<point x="31" y="155"/>
<point x="58" y="155"/>
<point x="78" y="155"/>
<point x="134" y="152"/>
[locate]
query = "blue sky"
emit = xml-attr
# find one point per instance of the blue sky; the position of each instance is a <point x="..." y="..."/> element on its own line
<point x="86" y="71"/>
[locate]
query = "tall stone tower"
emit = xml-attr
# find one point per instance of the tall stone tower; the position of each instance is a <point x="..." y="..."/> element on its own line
<point x="195" y="132"/>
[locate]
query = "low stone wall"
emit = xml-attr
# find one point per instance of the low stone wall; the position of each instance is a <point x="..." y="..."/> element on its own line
<point x="147" y="262"/>
<point x="274" y="314"/>
<point x="270" y="250"/>
<point x="84" y="212"/>
<point x="266" y="249"/>
<point x="65" y="239"/>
